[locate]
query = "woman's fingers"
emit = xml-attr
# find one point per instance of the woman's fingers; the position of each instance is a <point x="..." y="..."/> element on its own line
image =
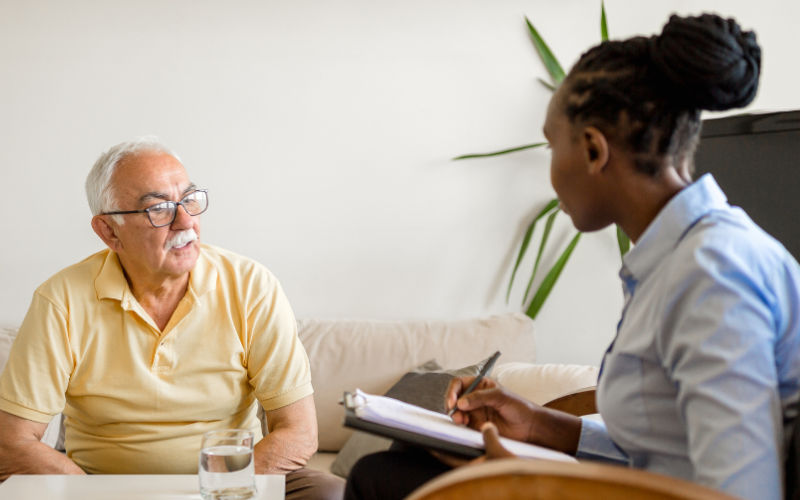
<point x="491" y="440"/>
<point x="453" y="391"/>
<point x="491" y="397"/>
<point x="454" y="395"/>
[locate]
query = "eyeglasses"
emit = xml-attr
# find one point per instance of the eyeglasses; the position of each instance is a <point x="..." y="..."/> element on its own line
<point x="163" y="214"/>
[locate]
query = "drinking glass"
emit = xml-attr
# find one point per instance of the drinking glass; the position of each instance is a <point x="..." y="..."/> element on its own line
<point x="226" y="468"/>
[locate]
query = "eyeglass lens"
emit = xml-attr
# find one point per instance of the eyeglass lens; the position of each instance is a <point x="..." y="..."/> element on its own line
<point x="162" y="214"/>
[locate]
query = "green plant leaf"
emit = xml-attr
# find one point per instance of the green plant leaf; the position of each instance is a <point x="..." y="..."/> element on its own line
<point x="550" y="280"/>
<point x="548" y="86"/>
<point x="545" y="235"/>
<point x="549" y="60"/>
<point x="623" y="241"/>
<point x="503" y="152"/>
<point x="603" y="22"/>
<point x="527" y="239"/>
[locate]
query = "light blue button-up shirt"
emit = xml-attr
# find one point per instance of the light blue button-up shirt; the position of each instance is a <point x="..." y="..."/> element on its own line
<point x="706" y="360"/>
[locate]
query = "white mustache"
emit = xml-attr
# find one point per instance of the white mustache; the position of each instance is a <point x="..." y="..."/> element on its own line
<point x="180" y="239"/>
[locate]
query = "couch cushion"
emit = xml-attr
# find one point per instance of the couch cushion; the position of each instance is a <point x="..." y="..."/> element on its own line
<point x="545" y="382"/>
<point x="373" y="355"/>
<point x="321" y="461"/>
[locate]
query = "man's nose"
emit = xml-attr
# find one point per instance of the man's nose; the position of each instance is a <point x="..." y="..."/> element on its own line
<point x="182" y="218"/>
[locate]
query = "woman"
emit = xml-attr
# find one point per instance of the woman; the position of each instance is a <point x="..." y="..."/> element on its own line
<point x="706" y="359"/>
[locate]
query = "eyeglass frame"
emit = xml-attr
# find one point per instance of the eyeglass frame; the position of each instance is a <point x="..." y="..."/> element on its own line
<point x="174" y="213"/>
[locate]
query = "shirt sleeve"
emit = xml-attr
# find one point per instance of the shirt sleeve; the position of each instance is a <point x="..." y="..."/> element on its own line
<point x="596" y="444"/>
<point x="34" y="382"/>
<point x="277" y="363"/>
<point x="718" y="346"/>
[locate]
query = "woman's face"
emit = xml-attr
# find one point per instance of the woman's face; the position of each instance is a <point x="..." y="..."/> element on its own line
<point x="569" y="169"/>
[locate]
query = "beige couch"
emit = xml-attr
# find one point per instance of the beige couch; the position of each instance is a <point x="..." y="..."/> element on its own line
<point x="373" y="355"/>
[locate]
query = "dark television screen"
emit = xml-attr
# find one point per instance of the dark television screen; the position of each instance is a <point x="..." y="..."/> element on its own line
<point x="755" y="158"/>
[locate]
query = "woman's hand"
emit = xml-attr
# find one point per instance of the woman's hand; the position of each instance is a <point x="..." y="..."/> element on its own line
<point x="513" y="416"/>
<point x="489" y="402"/>
<point x="491" y="442"/>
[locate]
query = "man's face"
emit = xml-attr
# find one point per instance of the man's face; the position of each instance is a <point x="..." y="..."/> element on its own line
<point x="142" y="180"/>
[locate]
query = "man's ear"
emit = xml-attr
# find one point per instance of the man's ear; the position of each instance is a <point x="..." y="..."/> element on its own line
<point x="106" y="232"/>
<point x="595" y="147"/>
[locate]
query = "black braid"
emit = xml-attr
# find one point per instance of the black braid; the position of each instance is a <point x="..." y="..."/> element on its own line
<point x="646" y="93"/>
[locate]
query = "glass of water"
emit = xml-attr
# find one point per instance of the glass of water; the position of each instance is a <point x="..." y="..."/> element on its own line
<point x="226" y="465"/>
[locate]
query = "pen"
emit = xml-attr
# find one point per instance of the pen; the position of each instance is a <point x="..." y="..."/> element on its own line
<point x="488" y="366"/>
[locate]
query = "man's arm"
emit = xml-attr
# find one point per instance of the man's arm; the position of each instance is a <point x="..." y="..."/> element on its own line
<point x="292" y="438"/>
<point x="22" y="452"/>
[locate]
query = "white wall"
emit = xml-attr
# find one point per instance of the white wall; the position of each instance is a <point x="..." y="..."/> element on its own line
<point x="324" y="130"/>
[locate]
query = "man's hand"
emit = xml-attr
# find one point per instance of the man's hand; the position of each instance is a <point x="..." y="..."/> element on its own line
<point x="291" y="441"/>
<point x="22" y="452"/>
<point x="513" y="416"/>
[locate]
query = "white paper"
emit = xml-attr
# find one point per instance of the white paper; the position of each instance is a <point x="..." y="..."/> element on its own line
<point x="395" y="413"/>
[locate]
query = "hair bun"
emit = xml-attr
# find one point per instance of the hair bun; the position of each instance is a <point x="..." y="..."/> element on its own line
<point x="709" y="62"/>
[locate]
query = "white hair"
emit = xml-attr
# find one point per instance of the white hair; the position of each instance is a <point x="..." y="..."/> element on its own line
<point x="99" y="192"/>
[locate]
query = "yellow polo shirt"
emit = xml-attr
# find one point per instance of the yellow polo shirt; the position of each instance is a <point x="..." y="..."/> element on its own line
<point x="137" y="399"/>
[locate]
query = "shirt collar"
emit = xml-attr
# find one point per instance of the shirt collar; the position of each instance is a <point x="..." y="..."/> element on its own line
<point x="111" y="283"/>
<point x="671" y="225"/>
<point x="203" y="277"/>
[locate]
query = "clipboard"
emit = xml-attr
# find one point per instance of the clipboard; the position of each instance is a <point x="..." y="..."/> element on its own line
<point x="394" y="419"/>
<point x="353" y="421"/>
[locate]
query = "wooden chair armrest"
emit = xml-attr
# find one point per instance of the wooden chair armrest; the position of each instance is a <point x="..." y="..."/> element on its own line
<point x="580" y="402"/>
<point x="521" y="479"/>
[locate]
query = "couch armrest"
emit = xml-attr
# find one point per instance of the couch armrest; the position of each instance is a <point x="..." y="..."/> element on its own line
<point x="578" y="403"/>
<point x="542" y="383"/>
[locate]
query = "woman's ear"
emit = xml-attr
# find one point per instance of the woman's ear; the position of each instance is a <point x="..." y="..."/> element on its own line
<point x="595" y="148"/>
<point x="106" y="232"/>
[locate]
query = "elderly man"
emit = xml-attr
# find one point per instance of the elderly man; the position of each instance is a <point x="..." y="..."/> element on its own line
<point x="148" y="344"/>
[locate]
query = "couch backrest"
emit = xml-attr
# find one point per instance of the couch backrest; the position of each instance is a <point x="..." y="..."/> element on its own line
<point x="373" y="355"/>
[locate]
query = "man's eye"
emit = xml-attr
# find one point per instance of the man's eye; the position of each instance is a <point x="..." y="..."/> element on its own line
<point x="160" y="208"/>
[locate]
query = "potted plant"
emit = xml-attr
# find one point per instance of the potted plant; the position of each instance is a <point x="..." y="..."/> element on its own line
<point x="551" y="208"/>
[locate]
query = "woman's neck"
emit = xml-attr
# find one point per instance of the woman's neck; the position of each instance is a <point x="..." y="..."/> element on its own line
<point x="644" y="196"/>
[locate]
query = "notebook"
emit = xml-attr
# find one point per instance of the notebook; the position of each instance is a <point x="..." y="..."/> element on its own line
<point x="409" y="423"/>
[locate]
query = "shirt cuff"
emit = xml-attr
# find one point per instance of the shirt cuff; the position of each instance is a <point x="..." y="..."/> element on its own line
<point x="23" y="412"/>
<point x="287" y="398"/>
<point x="596" y="444"/>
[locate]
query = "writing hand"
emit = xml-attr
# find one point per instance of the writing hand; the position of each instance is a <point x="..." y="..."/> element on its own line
<point x="458" y="385"/>
<point x="513" y="416"/>
<point x="489" y="402"/>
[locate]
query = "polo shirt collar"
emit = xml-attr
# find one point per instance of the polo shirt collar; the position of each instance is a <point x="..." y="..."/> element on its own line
<point x="671" y="224"/>
<point x="203" y="277"/>
<point x="111" y="283"/>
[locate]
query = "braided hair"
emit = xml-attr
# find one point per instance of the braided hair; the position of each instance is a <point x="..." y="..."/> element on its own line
<point x="647" y="92"/>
